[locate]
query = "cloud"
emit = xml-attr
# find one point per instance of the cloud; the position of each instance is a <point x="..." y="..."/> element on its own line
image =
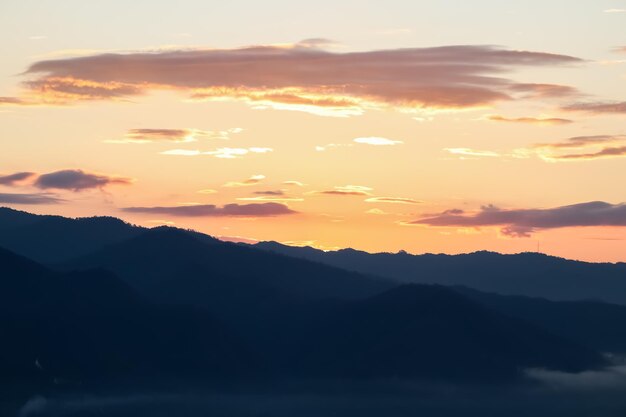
<point x="210" y="210"/>
<point x="471" y="152"/>
<point x="270" y="192"/>
<point x="17" y="177"/>
<point x="377" y="141"/>
<point x="608" y="152"/>
<point x="523" y="222"/>
<point x="223" y="153"/>
<point x="172" y="135"/>
<point x="302" y="76"/>
<point x="29" y="199"/>
<point x="77" y="180"/>
<point x="207" y="191"/>
<point x="393" y="200"/>
<point x="346" y="190"/>
<point x="322" y="148"/>
<point x="548" y="121"/>
<point x="583" y="141"/>
<point x="14" y="101"/>
<point x="253" y="180"/>
<point x="376" y="211"/>
<point x="528" y="90"/>
<point x="598" y="145"/>
<point x="341" y="192"/>
<point x="271" y="198"/>
<point x="296" y="183"/>
<point x="615" y="107"/>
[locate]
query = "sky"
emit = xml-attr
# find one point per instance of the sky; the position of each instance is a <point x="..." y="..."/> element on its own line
<point x="442" y="127"/>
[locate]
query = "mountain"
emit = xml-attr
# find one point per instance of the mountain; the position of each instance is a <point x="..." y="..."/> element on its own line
<point x="422" y="331"/>
<point x="50" y="239"/>
<point x="529" y="274"/>
<point x="591" y="323"/>
<point x="165" y="301"/>
<point x="165" y="259"/>
<point x="89" y="324"/>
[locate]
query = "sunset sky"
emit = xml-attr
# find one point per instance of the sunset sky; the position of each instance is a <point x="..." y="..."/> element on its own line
<point x="427" y="126"/>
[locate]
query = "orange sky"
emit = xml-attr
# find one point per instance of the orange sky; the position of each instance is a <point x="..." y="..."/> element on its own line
<point x="392" y="128"/>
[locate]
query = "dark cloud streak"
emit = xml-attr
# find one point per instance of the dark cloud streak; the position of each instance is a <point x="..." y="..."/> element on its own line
<point x="210" y="210"/>
<point x="523" y="222"/>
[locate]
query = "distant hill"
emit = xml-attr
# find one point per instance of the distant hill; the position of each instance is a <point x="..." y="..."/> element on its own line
<point x="89" y="324"/>
<point x="167" y="301"/>
<point x="529" y="274"/>
<point x="431" y="332"/>
<point x="601" y="326"/>
<point x="50" y="239"/>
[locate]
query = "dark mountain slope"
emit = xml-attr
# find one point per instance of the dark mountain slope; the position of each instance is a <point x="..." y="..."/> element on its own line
<point x="49" y="239"/>
<point x="601" y="326"/>
<point x="529" y="274"/>
<point x="417" y="331"/>
<point x="89" y="324"/>
<point x="166" y="257"/>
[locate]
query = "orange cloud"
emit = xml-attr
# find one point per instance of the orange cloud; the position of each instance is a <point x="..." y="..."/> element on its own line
<point x="253" y="180"/>
<point x="608" y="152"/>
<point x="172" y="135"/>
<point x="346" y="190"/>
<point x="303" y="76"/>
<point x="548" y="121"/>
<point x="393" y="200"/>
<point x="602" y="146"/>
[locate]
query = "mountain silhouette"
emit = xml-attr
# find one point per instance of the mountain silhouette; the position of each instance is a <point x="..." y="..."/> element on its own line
<point x="89" y="324"/>
<point x="50" y="239"/>
<point x="530" y="274"/>
<point x="591" y="323"/>
<point x="123" y="301"/>
<point x="432" y="332"/>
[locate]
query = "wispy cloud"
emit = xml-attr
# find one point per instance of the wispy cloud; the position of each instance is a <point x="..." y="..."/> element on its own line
<point x="393" y="200"/>
<point x="346" y="190"/>
<point x="524" y="222"/>
<point x="16" y="178"/>
<point x="596" y="147"/>
<point x="608" y="152"/>
<point x="449" y="77"/>
<point x="598" y="107"/>
<point x="377" y="141"/>
<point x="464" y="152"/>
<point x="294" y="183"/>
<point x="172" y="135"/>
<point x="583" y="141"/>
<point x="284" y="199"/>
<point x="270" y="192"/>
<point x="210" y="210"/>
<point x="223" y="153"/>
<point x="253" y="180"/>
<point x="29" y="199"/>
<point x="322" y="148"/>
<point x="546" y="121"/>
